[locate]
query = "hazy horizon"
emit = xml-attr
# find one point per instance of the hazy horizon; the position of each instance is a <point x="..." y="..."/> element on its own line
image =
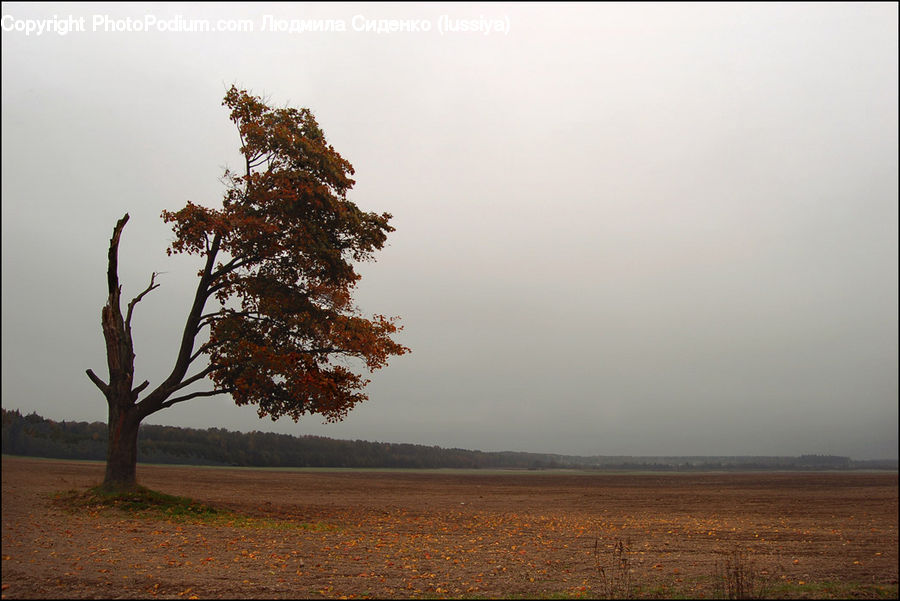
<point x="621" y="229"/>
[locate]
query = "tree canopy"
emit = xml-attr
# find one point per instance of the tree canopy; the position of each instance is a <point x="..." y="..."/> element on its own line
<point x="290" y="236"/>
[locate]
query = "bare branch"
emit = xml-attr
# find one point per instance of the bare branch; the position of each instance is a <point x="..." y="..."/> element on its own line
<point x="103" y="386"/>
<point x="259" y="159"/>
<point x="191" y="326"/>
<point x="231" y="266"/>
<point x="241" y="135"/>
<point x="203" y="348"/>
<point x="112" y="273"/>
<point x="213" y="289"/>
<point x="141" y="387"/>
<point x="196" y="377"/>
<point x="194" y="395"/>
<point x="200" y="326"/>
<point x="138" y="298"/>
<point x="223" y="312"/>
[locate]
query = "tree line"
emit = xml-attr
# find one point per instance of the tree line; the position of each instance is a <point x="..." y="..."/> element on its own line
<point x="36" y="436"/>
<point x="33" y="435"/>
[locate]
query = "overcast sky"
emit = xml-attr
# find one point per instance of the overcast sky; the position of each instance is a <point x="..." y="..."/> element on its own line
<point x="622" y="229"/>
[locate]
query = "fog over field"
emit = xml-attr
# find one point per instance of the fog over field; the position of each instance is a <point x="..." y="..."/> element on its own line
<point x="621" y="229"/>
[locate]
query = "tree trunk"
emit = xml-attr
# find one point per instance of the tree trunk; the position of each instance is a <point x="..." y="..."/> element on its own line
<point x="121" y="450"/>
<point x="124" y="414"/>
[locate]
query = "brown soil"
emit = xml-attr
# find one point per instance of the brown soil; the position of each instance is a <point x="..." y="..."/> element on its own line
<point x="435" y="534"/>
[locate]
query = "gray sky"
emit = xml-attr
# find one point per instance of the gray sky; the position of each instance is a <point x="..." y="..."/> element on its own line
<point x="622" y="229"/>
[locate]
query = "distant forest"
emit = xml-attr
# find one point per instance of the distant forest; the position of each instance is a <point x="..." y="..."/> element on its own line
<point x="35" y="436"/>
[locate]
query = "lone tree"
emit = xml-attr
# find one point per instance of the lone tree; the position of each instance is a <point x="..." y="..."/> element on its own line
<point x="278" y="267"/>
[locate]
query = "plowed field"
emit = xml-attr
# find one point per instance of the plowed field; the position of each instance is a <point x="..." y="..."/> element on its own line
<point x="396" y="534"/>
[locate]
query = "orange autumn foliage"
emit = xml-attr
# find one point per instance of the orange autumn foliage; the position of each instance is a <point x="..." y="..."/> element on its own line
<point x="288" y="237"/>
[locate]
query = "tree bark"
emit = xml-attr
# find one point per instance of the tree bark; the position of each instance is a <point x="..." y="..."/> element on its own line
<point x="121" y="450"/>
